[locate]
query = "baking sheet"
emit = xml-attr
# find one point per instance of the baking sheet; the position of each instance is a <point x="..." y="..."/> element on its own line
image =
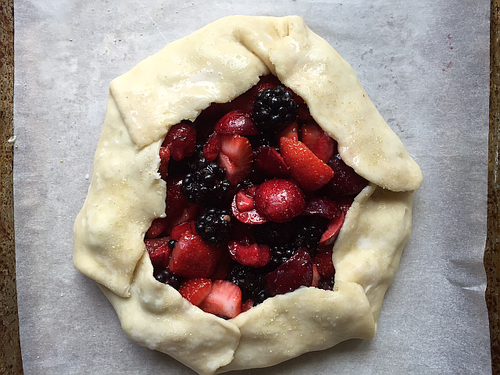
<point x="426" y="72"/>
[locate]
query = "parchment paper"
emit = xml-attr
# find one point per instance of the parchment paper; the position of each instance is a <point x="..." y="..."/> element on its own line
<point x="425" y="65"/>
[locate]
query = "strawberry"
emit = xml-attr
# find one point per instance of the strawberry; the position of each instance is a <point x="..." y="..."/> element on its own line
<point x="322" y="207"/>
<point x="332" y="231"/>
<point x="291" y="275"/>
<point x="181" y="139"/>
<point x="176" y="201"/>
<point x="158" y="251"/>
<point x="164" y="159"/>
<point x="324" y="147"/>
<point x="279" y="200"/>
<point x="224" y="299"/>
<point x="271" y="162"/>
<point x="249" y="254"/>
<point x="316" y="276"/>
<point x="193" y="258"/>
<point x="196" y="290"/>
<point x="244" y="199"/>
<point x="190" y="212"/>
<point x="236" y="122"/>
<point x="310" y="133"/>
<point x="324" y="263"/>
<point x="307" y="169"/>
<point x="319" y="142"/>
<point x="158" y="226"/>
<point x="244" y="203"/>
<point x="236" y="157"/>
<point x="213" y="146"/>
<point x="180" y="229"/>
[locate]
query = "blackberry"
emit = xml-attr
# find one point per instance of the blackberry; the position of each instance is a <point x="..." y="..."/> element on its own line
<point x="206" y="185"/>
<point x="191" y="163"/>
<point x="310" y="231"/>
<point x="215" y="226"/>
<point x="197" y="160"/>
<point x="273" y="109"/>
<point x="165" y="276"/>
<point x="263" y="139"/>
<point x="250" y="281"/>
<point x="280" y="254"/>
<point x="272" y="233"/>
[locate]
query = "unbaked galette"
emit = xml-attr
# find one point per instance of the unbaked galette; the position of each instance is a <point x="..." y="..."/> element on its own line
<point x="248" y="202"/>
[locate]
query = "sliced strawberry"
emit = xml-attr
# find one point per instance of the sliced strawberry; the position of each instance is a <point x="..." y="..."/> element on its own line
<point x="181" y="139"/>
<point x="249" y="254"/>
<point x="196" y="290"/>
<point x="158" y="226"/>
<point x="158" y="251"/>
<point x="310" y="133"/>
<point x="291" y="132"/>
<point x="324" y="147"/>
<point x="176" y="201"/>
<point x="236" y="122"/>
<point x="213" y="146"/>
<point x="322" y="207"/>
<point x="244" y="203"/>
<point x="192" y="257"/>
<point x="279" y="200"/>
<point x="332" y="231"/>
<point x="164" y="159"/>
<point x="271" y="162"/>
<point x="316" y="276"/>
<point x="177" y="231"/>
<point x="245" y="198"/>
<point x="307" y="169"/>
<point x="224" y="299"/>
<point x="291" y="275"/>
<point x="236" y="157"/>
<point x="190" y="212"/>
<point x="324" y="263"/>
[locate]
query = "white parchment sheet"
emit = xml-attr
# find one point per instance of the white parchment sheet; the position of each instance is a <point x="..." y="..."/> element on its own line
<point x="425" y="64"/>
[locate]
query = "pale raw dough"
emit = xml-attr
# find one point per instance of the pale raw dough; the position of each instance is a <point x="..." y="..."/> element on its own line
<point x="217" y="64"/>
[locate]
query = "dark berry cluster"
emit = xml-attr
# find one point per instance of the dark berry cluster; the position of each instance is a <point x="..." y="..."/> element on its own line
<point x="207" y="184"/>
<point x="250" y="281"/>
<point x="309" y="233"/>
<point x="273" y="109"/>
<point x="215" y="226"/>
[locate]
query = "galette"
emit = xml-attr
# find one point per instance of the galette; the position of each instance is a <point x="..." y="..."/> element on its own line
<point x="248" y="202"/>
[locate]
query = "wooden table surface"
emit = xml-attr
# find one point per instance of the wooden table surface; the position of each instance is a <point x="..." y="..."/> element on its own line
<point x="10" y="352"/>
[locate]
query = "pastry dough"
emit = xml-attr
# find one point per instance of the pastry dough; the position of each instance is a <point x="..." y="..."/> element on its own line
<point x="217" y="64"/>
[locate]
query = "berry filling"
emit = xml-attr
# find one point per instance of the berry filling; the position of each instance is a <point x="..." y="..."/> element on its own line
<point x="256" y="196"/>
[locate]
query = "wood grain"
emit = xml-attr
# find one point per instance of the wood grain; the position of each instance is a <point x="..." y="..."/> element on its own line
<point x="10" y="355"/>
<point x="492" y="252"/>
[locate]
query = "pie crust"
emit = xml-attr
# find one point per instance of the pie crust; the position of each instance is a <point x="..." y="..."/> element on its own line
<point x="217" y="64"/>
